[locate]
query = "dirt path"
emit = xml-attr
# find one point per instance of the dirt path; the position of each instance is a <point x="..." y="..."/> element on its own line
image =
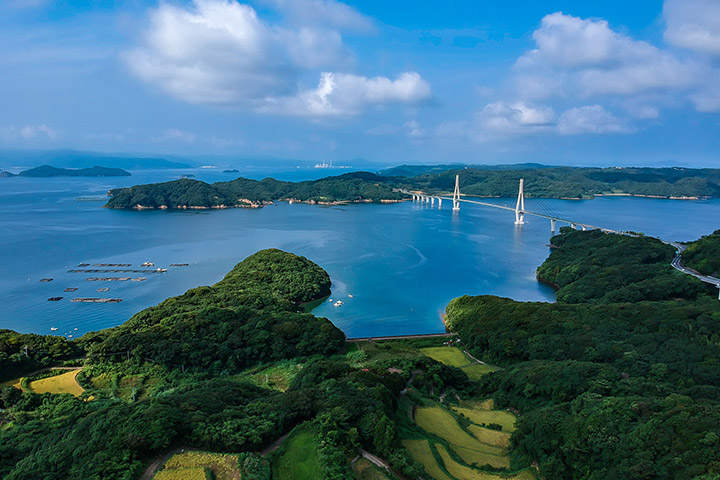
<point x="273" y="446"/>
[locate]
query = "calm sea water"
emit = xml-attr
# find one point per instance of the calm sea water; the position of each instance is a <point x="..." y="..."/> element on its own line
<point x="402" y="263"/>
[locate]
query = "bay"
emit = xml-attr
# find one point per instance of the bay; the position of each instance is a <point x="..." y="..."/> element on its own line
<point x="395" y="267"/>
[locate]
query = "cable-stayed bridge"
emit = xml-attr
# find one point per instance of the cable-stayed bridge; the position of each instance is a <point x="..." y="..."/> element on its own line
<point x="543" y="211"/>
<point x="540" y="208"/>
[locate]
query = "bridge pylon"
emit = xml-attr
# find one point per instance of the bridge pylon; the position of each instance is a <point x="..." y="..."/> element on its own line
<point x="456" y="194"/>
<point x="520" y="205"/>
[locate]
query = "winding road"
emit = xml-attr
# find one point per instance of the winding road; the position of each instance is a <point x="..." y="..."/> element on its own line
<point x="677" y="265"/>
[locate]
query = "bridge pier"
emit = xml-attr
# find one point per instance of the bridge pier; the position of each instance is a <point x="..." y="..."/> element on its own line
<point x="432" y="200"/>
<point x="439" y="202"/>
<point x="520" y="206"/>
<point x="456" y="194"/>
<point x="552" y="225"/>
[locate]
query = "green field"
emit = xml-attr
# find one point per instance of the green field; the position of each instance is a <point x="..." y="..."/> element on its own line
<point x="483" y="416"/>
<point x="197" y="473"/>
<point x="222" y="466"/>
<point x="63" y="383"/>
<point x="451" y="356"/>
<point x="298" y="459"/>
<point x="420" y="451"/>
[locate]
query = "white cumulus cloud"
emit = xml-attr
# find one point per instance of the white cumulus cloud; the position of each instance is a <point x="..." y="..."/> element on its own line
<point x="517" y="117"/>
<point x="222" y="52"/>
<point x="346" y="94"/>
<point x="589" y="119"/>
<point x="578" y="57"/>
<point x="693" y="25"/>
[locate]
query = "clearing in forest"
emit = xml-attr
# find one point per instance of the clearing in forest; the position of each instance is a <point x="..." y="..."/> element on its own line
<point x="297" y="458"/>
<point x="63" y="383"/>
<point x="189" y="465"/>
<point x="451" y="356"/>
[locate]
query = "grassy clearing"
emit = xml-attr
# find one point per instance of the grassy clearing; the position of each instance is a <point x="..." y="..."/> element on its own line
<point x="299" y="459"/>
<point x="451" y="356"/>
<point x="420" y="451"/>
<point x="482" y="416"/>
<point x="63" y="383"/>
<point x="198" y="473"/>
<point x="477" y="370"/>
<point x="222" y="466"/>
<point x="277" y="377"/>
<point x="437" y="421"/>
<point x="490" y="437"/>
<point x="366" y="470"/>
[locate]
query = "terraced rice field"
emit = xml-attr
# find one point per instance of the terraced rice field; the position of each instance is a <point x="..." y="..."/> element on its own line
<point x="468" y="450"/>
<point x="63" y="383"/>
<point x="462" y="472"/>
<point x="481" y="416"/>
<point x="420" y="451"/>
<point x="182" y="465"/>
<point x="490" y="437"/>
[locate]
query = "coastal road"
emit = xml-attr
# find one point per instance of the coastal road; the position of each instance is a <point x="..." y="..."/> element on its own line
<point x="677" y="265"/>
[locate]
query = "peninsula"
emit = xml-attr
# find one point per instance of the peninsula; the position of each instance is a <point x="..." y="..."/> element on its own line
<point x="358" y="187"/>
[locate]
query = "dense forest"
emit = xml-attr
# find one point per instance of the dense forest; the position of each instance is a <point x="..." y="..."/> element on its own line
<point x="351" y="187"/>
<point x="599" y="268"/>
<point x="575" y="182"/>
<point x="250" y="315"/>
<point x="703" y="255"/>
<point x="609" y="385"/>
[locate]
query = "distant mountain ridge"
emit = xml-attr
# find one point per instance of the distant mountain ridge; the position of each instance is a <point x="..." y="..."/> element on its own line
<point x="50" y="171"/>
<point x="79" y="159"/>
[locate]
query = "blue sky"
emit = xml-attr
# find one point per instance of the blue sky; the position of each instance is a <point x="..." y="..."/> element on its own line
<point x="559" y="82"/>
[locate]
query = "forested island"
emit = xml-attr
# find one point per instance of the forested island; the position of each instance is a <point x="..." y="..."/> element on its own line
<point x="359" y="187"/>
<point x="618" y="379"/>
<point x="498" y="181"/>
<point x="50" y="171"/>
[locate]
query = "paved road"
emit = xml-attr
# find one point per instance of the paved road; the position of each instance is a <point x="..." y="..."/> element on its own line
<point x="677" y="265"/>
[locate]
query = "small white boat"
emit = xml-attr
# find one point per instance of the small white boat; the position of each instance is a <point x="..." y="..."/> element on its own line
<point x="330" y="300"/>
<point x="69" y="336"/>
<point x="350" y="296"/>
<point x="338" y="303"/>
<point x="53" y="329"/>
